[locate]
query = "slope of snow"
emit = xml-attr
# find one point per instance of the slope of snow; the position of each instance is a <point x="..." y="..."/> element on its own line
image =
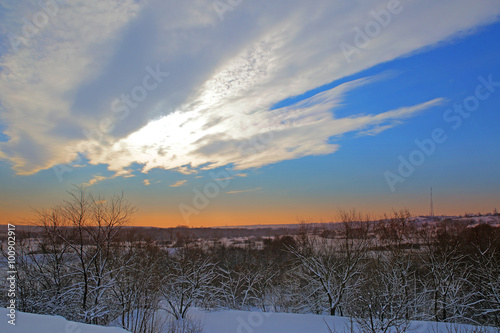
<point x="28" y="322"/>
<point x="221" y="322"/>
<point x="257" y="322"/>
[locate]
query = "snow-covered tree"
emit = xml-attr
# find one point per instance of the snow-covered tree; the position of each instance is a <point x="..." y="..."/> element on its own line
<point x="44" y="275"/>
<point x="69" y="264"/>
<point x="188" y="278"/>
<point x="331" y="268"/>
<point x="482" y="243"/>
<point x="386" y="298"/>
<point x="445" y="279"/>
<point x="137" y="287"/>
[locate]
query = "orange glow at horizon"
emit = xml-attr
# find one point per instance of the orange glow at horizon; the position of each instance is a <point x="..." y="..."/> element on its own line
<point x="214" y="219"/>
<point x="285" y="214"/>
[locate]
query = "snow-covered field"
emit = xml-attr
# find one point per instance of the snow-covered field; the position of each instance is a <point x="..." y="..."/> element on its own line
<point x="33" y="323"/>
<point x="257" y="322"/>
<point x="223" y="322"/>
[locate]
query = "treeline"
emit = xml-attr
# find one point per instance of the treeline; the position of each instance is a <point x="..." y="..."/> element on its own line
<point x="85" y="267"/>
<point x="171" y="236"/>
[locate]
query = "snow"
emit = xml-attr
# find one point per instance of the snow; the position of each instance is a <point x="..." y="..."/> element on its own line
<point x="248" y="322"/>
<point x="257" y="322"/>
<point x="28" y="322"/>
<point x="227" y="321"/>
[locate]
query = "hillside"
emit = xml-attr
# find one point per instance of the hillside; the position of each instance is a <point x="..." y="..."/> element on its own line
<point x="222" y="322"/>
<point x="28" y="322"/>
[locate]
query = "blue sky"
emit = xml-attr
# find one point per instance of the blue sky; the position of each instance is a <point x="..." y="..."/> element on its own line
<point x="207" y="113"/>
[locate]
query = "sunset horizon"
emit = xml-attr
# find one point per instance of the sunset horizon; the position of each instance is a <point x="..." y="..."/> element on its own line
<point x="227" y="218"/>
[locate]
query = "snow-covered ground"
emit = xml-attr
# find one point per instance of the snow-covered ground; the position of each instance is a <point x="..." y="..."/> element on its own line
<point x="222" y="322"/>
<point x="33" y="323"/>
<point x="256" y="322"/>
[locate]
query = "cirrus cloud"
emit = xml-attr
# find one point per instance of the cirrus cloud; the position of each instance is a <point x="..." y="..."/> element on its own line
<point x="243" y="191"/>
<point x="215" y="107"/>
<point x="179" y="183"/>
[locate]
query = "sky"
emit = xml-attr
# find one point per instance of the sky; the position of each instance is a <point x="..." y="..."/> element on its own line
<point x="238" y="112"/>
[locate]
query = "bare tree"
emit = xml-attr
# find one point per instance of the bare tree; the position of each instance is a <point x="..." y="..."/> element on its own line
<point x="231" y="288"/>
<point x="385" y="299"/>
<point x="137" y="287"/>
<point x="331" y="267"/>
<point x="482" y="244"/>
<point x="447" y="273"/>
<point x="75" y="254"/>
<point x="44" y="277"/>
<point x="487" y="283"/>
<point x="188" y="278"/>
<point x="396" y="231"/>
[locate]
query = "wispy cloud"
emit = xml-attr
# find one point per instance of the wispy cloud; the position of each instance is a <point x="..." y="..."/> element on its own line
<point x="146" y="182"/>
<point x="179" y="183"/>
<point x="294" y="131"/>
<point x="40" y="82"/>
<point x="254" y="189"/>
<point x="186" y="170"/>
<point x="214" y="108"/>
<point x="95" y="180"/>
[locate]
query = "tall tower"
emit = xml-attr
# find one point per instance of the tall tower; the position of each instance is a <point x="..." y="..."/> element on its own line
<point x="432" y="206"/>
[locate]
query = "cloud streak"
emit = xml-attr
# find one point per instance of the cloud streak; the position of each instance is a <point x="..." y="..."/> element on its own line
<point x="215" y="107"/>
<point x="96" y="179"/>
<point x="243" y="191"/>
<point x="248" y="140"/>
<point x="179" y="183"/>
